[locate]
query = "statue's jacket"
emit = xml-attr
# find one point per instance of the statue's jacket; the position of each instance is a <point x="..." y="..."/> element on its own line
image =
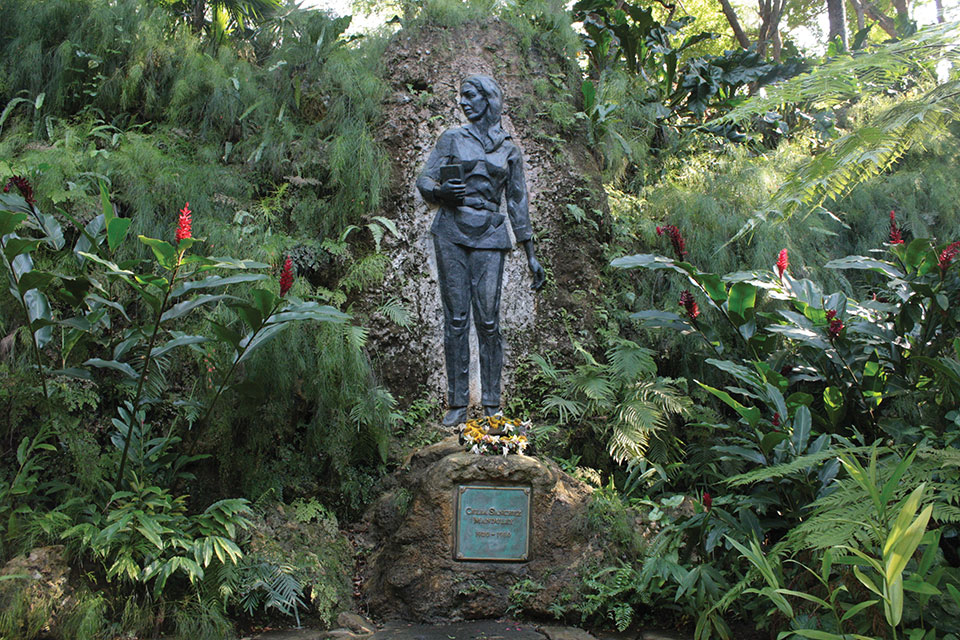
<point x="490" y="169"/>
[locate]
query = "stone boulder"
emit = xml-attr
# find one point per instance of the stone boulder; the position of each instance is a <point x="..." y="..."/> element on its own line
<point x="35" y="589"/>
<point x="411" y="573"/>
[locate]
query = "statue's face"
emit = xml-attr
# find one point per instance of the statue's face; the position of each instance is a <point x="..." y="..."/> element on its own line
<point x="472" y="102"/>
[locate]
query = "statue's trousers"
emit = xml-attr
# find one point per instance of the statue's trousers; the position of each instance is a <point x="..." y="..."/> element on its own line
<point x="470" y="281"/>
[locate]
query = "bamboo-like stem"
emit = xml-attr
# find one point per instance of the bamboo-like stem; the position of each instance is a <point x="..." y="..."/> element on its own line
<point x="146" y="365"/>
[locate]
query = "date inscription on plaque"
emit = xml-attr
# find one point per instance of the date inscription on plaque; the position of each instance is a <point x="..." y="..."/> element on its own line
<point x="493" y="523"/>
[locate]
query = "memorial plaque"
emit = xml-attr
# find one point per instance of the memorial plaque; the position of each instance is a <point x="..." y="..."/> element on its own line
<point x="493" y="523"/>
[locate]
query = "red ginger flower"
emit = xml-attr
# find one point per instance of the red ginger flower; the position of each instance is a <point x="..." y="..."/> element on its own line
<point x="707" y="500"/>
<point x="286" y="277"/>
<point x="776" y="419"/>
<point x="896" y="237"/>
<point x="689" y="304"/>
<point x="836" y="326"/>
<point x="183" y="226"/>
<point x="676" y="239"/>
<point x="948" y="254"/>
<point x="782" y="263"/>
<point x="23" y="186"/>
<point x="831" y="314"/>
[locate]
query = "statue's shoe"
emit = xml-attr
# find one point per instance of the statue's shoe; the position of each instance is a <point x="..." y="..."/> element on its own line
<point x="491" y="411"/>
<point x="455" y="416"/>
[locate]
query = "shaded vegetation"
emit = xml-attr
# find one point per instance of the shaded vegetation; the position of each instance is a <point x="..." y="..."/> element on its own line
<point x="789" y="442"/>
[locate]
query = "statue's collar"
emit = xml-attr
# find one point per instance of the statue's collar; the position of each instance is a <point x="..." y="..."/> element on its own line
<point x="494" y="138"/>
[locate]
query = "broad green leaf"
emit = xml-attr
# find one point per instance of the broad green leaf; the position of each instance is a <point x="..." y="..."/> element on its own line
<point x="857" y="608"/>
<point x="745" y="375"/>
<point x="917" y="585"/>
<point x="802" y="422"/>
<point x="904" y="517"/>
<point x="179" y="342"/>
<point x="743" y="299"/>
<point x="954" y="593"/>
<point x="9" y="221"/>
<point x="223" y="262"/>
<point x="771" y="440"/>
<point x="893" y="483"/>
<point x="225" y="334"/>
<point x="833" y="403"/>
<point x="918" y="254"/>
<point x="52" y="231"/>
<point x="164" y="251"/>
<point x="893" y="603"/>
<point x="98" y="300"/>
<point x="860" y="262"/>
<point x="150" y="535"/>
<point x="661" y="320"/>
<point x="34" y="280"/>
<point x="750" y="414"/>
<point x="713" y="285"/>
<point x="248" y="313"/>
<point x="647" y="261"/>
<point x="252" y="342"/>
<point x="182" y="308"/>
<point x="38" y="309"/>
<point x="122" y="367"/>
<point x="804" y="596"/>
<point x="116" y="232"/>
<point x="16" y="245"/>
<point x="106" y="207"/>
<point x="865" y="581"/>
<point x="906" y="545"/>
<point x="212" y="282"/>
<point x="817" y="635"/>
<point x="264" y="300"/>
<point x="89" y="236"/>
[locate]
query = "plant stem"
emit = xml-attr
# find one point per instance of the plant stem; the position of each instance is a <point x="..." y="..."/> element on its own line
<point x="228" y="375"/>
<point x="146" y="367"/>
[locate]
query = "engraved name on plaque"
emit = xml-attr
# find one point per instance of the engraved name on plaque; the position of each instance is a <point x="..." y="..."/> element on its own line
<point x="492" y="524"/>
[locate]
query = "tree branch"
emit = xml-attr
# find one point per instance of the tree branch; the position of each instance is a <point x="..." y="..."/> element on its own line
<point x="731" y="16"/>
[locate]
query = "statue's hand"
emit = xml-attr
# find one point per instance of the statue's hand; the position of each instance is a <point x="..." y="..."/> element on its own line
<point x="539" y="275"/>
<point x="451" y="192"/>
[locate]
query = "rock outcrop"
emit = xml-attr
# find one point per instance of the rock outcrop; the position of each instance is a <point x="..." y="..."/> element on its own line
<point x="411" y="572"/>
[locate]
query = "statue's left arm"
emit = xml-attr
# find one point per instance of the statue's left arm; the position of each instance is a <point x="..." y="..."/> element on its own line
<point x="518" y="208"/>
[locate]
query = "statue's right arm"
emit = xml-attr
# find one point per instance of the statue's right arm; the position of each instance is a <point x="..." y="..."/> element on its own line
<point x="429" y="179"/>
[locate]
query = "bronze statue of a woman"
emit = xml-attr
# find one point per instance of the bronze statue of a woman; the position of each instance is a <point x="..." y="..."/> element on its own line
<point x="467" y="174"/>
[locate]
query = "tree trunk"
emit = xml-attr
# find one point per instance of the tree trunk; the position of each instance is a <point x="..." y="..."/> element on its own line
<point x="882" y="19"/>
<point x="861" y="19"/>
<point x="939" y="5"/>
<point x="731" y="16"/>
<point x="901" y="7"/>
<point x="198" y="14"/>
<point x="837" y="15"/>
<point x="770" y="12"/>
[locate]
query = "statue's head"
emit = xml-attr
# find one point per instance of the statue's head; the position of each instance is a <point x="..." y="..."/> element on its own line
<point x="481" y="99"/>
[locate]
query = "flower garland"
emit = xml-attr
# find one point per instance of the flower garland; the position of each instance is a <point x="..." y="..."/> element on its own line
<point x="495" y="435"/>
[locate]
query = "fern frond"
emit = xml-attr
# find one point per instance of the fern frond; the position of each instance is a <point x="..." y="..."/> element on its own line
<point x="872" y="149"/>
<point x="853" y="76"/>
<point x="629" y="361"/>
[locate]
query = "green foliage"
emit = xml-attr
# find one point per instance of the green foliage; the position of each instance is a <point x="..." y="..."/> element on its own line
<point x="880" y="547"/>
<point x="872" y="147"/>
<point x="621" y="399"/>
